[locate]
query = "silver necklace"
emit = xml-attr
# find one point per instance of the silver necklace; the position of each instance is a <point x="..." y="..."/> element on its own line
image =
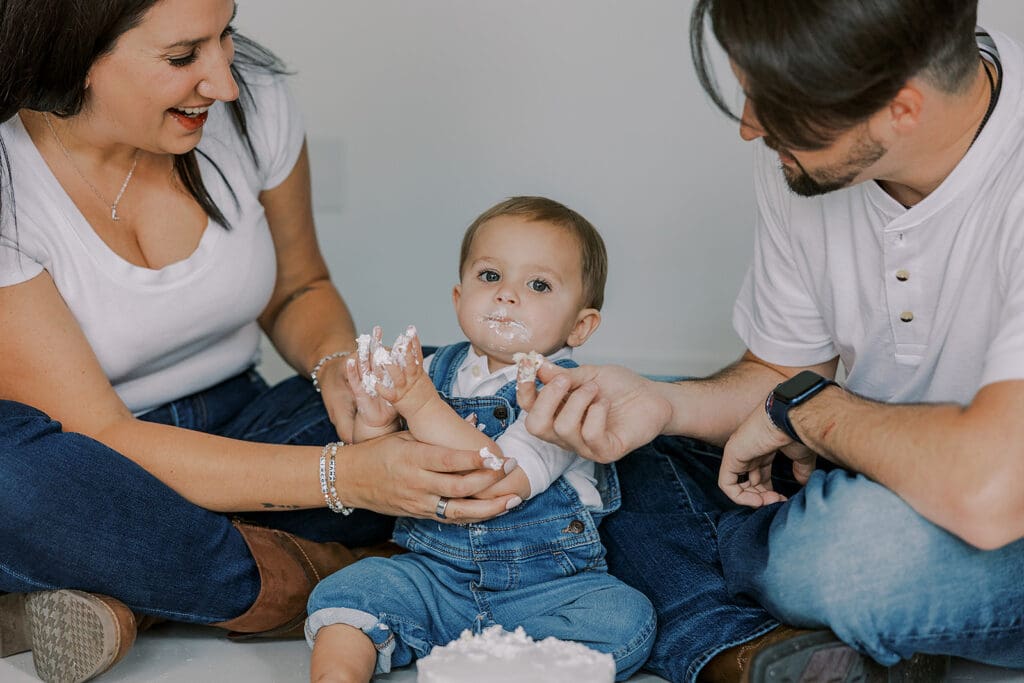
<point x="124" y="185"/>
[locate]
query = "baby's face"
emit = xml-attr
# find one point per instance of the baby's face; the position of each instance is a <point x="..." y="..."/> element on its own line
<point x="521" y="288"/>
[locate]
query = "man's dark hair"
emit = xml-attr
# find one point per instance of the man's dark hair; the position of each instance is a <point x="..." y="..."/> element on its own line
<point x="814" y="68"/>
<point x="48" y="46"/>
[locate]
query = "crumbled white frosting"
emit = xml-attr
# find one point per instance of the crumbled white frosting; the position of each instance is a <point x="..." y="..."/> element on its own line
<point x="370" y="384"/>
<point x="527" y="364"/>
<point x="368" y="346"/>
<point x="499" y="656"/>
<point x="508" y="329"/>
<point x="491" y="461"/>
<point x="401" y="345"/>
<point x="363" y="346"/>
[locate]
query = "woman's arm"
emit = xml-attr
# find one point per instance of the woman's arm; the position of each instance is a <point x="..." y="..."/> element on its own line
<point x="306" y="318"/>
<point x="46" y="362"/>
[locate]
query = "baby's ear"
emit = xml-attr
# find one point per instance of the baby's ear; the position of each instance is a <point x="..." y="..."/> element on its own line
<point x="587" y="321"/>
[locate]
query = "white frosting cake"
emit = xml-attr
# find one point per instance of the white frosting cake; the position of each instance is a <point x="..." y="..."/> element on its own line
<point x="499" y="656"/>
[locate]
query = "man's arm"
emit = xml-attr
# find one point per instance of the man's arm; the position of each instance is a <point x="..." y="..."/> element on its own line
<point x="604" y="412"/>
<point x="960" y="467"/>
<point x="711" y="409"/>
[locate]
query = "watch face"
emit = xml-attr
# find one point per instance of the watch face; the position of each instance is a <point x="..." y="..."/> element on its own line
<point x="798" y="385"/>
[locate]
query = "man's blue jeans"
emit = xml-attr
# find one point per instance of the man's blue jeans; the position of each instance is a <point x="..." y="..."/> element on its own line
<point x="843" y="553"/>
<point x="76" y="514"/>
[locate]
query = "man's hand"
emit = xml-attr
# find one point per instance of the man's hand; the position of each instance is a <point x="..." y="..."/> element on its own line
<point x="600" y="412"/>
<point x="746" y="472"/>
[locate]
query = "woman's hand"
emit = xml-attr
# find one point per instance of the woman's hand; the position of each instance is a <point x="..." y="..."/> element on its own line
<point x="397" y="475"/>
<point x="600" y="412"/>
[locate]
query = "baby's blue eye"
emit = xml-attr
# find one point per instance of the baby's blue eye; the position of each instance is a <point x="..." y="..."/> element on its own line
<point x="488" y="276"/>
<point x="538" y="286"/>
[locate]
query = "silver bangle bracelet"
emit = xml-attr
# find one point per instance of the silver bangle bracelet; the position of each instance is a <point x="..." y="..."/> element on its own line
<point x="327" y="479"/>
<point x="320" y="363"/>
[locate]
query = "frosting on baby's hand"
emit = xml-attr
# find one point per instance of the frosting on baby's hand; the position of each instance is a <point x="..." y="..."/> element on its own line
<point x="528" y="364"/>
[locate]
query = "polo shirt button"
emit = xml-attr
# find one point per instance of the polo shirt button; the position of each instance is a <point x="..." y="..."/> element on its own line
<point x="902" y="275"/>
<point x="501" y="413"/>
<point x="476" y="370"/>
<point x="907" y="316"/>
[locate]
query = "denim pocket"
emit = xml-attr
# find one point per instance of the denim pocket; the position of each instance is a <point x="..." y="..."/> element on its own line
<point x="581" y="559"/>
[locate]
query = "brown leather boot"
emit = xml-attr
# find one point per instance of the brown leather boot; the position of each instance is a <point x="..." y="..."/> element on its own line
<point x="289" y="568"/>
<point x="73" y="635"/>
<point x="789" y="655"/>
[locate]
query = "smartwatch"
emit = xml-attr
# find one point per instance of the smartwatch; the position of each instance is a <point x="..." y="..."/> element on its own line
<point x="787" y="395"/>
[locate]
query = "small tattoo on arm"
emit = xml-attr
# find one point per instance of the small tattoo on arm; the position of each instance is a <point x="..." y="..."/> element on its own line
<point x="301" y="291"/>
<point x="292" y="298"/>
<point x="275" y="506"/>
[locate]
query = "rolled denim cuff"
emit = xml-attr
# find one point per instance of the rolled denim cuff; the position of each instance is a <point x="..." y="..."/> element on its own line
<point x="377" y="631"/>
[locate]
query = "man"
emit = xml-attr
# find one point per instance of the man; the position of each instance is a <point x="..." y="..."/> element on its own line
<point x="892" y="240"/>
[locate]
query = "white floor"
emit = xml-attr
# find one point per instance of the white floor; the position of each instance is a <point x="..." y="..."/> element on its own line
<point x="195" y="654"/>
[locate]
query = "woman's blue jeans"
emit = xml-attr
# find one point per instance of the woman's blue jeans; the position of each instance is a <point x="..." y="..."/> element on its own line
<point x="842" y="553"/>
<point x="76" y="514"/>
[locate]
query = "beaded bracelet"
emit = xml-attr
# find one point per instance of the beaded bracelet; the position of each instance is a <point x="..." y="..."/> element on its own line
<point x="320" y="364"/>
<point x="327" y="479"/>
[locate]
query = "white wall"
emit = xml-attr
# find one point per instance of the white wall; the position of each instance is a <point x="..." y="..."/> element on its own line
<point x="421" y="114"/>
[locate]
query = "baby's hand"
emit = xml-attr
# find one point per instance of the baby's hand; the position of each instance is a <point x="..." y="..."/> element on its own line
<point x="402" y="380"/>
<point x="372" y="410"/>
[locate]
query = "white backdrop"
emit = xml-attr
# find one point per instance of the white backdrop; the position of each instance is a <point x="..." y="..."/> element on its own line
<point x="421" y="114"/>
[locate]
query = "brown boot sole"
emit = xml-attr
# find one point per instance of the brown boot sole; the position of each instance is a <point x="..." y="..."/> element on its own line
<point x="820" y="657"/>
<point x="73" y="636"/>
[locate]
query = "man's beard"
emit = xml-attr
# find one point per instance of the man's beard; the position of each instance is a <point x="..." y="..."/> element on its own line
<point x="835" y="177"/>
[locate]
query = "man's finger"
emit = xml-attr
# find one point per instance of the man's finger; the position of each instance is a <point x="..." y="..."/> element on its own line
<point x="526" y="394"/>
<point x="594" y="432"/>
<point x="548" y="371"/>
<point x="541" y="417"/>
<point x="569" y="422"/>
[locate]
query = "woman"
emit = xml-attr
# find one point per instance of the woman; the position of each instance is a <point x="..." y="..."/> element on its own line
<point x="154" y="221"/>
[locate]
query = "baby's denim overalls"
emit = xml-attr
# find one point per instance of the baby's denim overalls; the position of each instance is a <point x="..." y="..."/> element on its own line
<point x="540" y="566"/>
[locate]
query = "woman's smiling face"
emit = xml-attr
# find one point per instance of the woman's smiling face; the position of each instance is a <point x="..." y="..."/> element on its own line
<point x="152" y="90"/>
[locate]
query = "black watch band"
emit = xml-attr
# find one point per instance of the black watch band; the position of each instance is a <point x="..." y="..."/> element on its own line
<point x="787" y="395"/>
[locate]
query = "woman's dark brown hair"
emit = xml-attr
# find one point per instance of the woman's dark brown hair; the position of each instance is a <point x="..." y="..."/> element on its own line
<point x="47" y="48"/>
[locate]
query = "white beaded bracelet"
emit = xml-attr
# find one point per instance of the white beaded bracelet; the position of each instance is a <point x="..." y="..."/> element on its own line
<point x="327" y="479"/>
<point x="320" y="364"/>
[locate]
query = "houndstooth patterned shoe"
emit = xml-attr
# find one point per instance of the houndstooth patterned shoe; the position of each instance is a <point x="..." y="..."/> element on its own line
<point x="74" y="636"/>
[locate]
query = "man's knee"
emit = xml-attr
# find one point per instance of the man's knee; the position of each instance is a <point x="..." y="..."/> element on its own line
<point x="846" y="547"/>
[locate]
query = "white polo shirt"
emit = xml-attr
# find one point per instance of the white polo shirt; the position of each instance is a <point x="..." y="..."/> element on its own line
<point x="923" y="304"/>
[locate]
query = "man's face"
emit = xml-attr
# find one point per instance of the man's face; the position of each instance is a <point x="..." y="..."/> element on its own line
<point x="847" y="161"/>
<point x="841" y="164"/>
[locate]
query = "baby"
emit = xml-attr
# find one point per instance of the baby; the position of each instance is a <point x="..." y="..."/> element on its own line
<point x="532" y="276"/>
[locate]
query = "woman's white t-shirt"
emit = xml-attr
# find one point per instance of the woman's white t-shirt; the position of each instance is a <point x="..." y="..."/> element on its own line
<point x="162" y="334"/>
